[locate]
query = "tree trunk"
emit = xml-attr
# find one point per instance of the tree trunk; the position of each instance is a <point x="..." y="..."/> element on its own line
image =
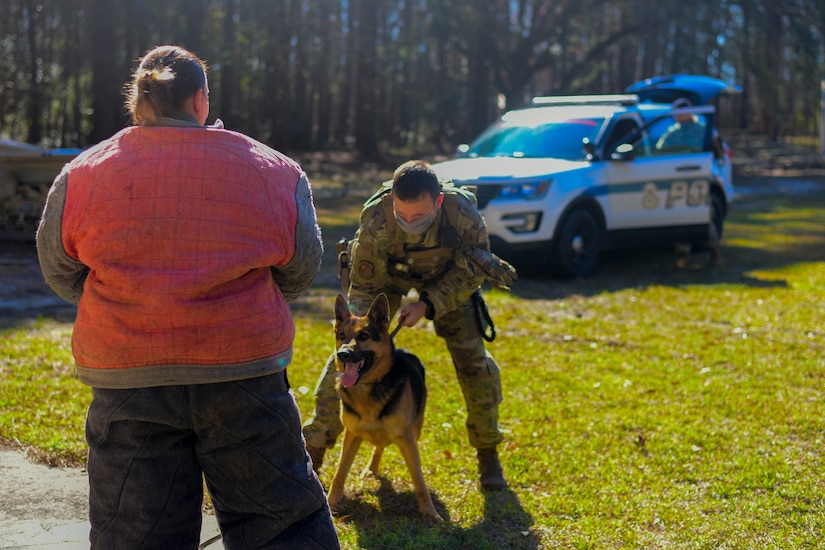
<point x="107" y="101"/>
<point x="365" y="82"/>
<point x="35" y="110"/>
<point x="228" y="81"/>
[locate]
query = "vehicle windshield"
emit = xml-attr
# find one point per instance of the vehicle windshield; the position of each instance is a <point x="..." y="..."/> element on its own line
<point x="560" y="139"/>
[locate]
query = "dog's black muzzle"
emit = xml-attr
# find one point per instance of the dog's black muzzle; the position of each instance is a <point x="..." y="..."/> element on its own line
<point x="346" y="355"/>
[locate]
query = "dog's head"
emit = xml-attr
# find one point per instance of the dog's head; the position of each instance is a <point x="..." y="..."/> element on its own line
<point x="361" y="343"/>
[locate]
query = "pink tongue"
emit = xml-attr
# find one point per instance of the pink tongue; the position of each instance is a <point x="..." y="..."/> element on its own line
<point x="350" y="376"/>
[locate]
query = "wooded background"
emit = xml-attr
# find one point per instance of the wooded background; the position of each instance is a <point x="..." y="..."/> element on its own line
<point x="399" y="75"/>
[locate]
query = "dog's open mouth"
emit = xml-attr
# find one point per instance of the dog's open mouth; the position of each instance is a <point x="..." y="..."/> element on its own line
<point x="352" y="372"/>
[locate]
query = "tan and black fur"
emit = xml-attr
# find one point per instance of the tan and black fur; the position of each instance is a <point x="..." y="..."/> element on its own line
<point x="383" y="396"/>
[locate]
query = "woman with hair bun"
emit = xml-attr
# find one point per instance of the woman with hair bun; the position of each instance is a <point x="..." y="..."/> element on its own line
<point x="167" y="77"/>
<point x="181" y="245"/>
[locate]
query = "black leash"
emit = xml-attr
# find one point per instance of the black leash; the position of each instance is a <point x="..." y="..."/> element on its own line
<point x="204" y="544"/>
<point x="483" y="317"/>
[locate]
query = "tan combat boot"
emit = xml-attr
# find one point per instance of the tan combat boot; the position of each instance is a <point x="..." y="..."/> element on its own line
<point x="490" y="472"/>
<point x="317" y="456"/>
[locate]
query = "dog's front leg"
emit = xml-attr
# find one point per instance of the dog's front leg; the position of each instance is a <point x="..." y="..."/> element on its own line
<point x="409" y="449"/>
<point x="377" y="453"/>
<point x="349" y="448"/>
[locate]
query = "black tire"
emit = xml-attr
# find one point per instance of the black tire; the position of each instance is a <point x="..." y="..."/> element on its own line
<point x="577" y="244"/>
<point x="717" y="213"/>
<point x="717" y="223"/>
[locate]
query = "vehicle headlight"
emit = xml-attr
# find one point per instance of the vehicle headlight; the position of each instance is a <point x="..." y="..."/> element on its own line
<point x="524" y="222"/>
<point x="530" y="191"/>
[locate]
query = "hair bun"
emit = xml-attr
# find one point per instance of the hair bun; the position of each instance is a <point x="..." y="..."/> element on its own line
<point x="165" y="78"/>
<point x="163" y="75"/>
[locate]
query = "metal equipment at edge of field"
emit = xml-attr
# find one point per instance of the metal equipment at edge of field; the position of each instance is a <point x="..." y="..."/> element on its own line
<point x="26" y="174"/>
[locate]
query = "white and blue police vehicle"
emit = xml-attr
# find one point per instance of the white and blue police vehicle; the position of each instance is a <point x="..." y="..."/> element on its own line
<point x="570" y="176"/>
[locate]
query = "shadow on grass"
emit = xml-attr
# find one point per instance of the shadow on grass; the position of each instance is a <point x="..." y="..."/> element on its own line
<point x="396" y="523"/>
<point x="640" y="269"/>
<point x="17" y="319"/>
<point x="786" y="227"/>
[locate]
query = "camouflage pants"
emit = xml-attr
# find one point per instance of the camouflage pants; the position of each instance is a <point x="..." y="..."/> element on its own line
<point x="477" y="372"/>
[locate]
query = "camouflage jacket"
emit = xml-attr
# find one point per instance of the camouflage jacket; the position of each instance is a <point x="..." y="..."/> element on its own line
<point x="385" y="259"/>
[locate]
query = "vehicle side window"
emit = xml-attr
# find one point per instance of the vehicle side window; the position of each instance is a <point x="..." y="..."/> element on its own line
<point x="625" y="131"/>
<point x="679" y="134"/>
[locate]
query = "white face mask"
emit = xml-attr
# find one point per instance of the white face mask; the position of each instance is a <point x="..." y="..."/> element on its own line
<point x="418" y="226"/>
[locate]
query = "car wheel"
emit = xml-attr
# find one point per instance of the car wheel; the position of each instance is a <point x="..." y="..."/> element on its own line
<point x="577" y="244"/>
<point x="717" y="213"/>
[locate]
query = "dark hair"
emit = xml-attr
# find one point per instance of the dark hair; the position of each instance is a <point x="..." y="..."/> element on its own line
<point x="414" y="179"/>
<point x="165" y="78"/>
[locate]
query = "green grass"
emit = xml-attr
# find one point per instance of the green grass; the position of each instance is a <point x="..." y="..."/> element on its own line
<point x="644" y="407"/>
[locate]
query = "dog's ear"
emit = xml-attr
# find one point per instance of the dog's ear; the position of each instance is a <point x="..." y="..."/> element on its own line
<point x="342" y="311"/>
<point x="379" y="312"/>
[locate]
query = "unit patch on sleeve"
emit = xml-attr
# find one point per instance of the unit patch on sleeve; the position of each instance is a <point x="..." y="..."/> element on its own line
<point x="366" y="270"/>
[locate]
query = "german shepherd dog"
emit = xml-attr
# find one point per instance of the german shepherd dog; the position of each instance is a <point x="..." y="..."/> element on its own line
<point x="382" y="397"/>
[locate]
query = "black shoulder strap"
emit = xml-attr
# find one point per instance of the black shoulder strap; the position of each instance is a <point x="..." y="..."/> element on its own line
<point x="384" y="190"/>
<point x="449" y="232"/>
<point x="389" y="213"/>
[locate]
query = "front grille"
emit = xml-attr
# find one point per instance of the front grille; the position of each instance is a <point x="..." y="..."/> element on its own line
<point x="487" y="192"/>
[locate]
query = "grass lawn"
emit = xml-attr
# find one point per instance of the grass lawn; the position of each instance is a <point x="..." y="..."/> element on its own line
<point x="644" y="407"/>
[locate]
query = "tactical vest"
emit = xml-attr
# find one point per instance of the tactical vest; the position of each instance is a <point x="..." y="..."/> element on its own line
<point x="422" y="264"/>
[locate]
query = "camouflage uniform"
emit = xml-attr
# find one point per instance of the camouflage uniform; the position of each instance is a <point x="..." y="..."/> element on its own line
<point x="440" y="263"/>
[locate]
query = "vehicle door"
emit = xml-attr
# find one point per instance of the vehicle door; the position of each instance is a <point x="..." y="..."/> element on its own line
<point x="661" y="176"/>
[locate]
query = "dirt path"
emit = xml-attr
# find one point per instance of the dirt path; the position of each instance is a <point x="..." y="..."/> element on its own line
<point x="45" y="507"/>
<point x="41" y="507"/>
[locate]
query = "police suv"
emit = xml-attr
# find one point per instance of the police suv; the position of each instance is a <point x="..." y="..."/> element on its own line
<point x="570" y="176"/>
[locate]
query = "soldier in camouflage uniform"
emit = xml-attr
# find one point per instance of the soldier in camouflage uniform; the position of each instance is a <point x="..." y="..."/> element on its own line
<point x="419" y="233"/>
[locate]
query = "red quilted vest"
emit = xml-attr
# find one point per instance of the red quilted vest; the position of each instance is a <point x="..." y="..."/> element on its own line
<point x="179" y="227"/>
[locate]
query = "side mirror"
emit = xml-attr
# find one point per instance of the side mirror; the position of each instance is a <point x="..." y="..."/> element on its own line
<point x="462" y="150"/>
<point x="623" y="152"/>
